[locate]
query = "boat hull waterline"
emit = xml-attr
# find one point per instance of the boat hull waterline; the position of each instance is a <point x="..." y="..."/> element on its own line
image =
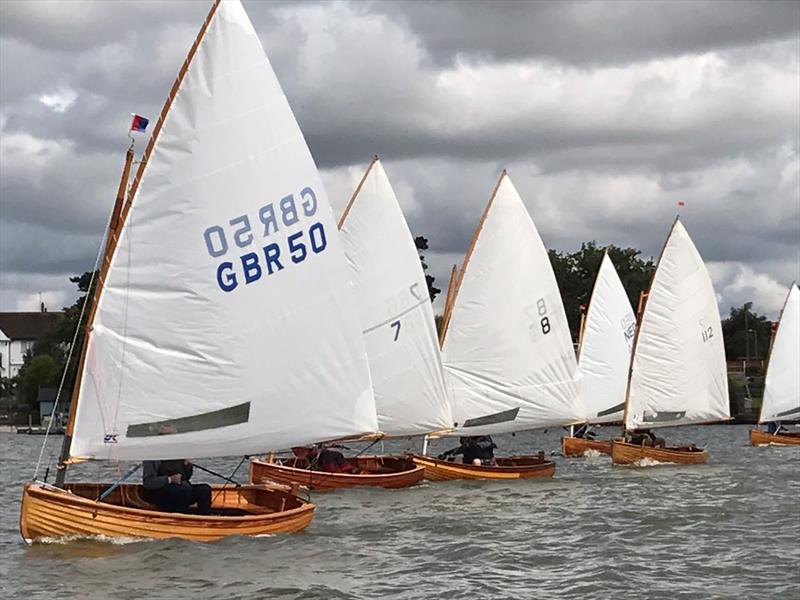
<point x="513" y="467"/>
<point x="762" y="438"/>
<point x="389" y="472"/>
<point x="572" y="447"/>
<point x="51" y="513"/>
<point x="623" y="453"/>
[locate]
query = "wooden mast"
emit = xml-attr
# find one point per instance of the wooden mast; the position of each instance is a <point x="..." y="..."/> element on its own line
<point x="118" y="219"/>
<point x="358" y="189"/>
<point x="448" y="303"/>
<point x="643" y="296"/>
<point x="468" y="255"/>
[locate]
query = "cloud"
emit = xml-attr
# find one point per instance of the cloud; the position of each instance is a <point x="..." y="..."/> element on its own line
<point x="605" y="113"/>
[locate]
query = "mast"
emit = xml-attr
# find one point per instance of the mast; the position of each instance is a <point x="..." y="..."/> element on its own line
<point x="468" y="255"/>
<point x="448" y="304"/>
<point x="118" y="219"/>
<point x="358" y="189"/>
<point x="639" y="314"/>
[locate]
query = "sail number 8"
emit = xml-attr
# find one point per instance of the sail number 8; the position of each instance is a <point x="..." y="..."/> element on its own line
<point x="544" y="321"/>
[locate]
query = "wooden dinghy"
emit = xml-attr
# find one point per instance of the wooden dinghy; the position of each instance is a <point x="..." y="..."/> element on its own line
<point x="214" y="178"/>
<point x="50" y="512"/>
<point x="512" y="467"/>
<point x="388" y="472"/>
<point x="623" y="453"/>
<point x="762" y="438"/>
<point x="572" y="447"/>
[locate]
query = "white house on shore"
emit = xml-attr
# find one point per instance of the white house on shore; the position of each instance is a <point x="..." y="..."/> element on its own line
<point x="19" y="331"/>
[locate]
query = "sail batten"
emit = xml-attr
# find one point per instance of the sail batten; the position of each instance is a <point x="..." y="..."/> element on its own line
<point x="606" y="344"/>
<point x="228" y="250"/>
<point x="782" y="382"/>
<point x="507" y="344"/>
<point x="678" y="372"/>
<point x="395" y="310"/>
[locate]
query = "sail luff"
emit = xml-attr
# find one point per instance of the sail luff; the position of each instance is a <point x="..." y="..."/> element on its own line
<point x="470" y="250"/>
<point x="784" y="358"/>
<point x="117" y="226"/>
<point x="639" y="314"/>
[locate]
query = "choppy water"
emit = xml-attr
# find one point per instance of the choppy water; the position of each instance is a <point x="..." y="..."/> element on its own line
<point x="728" y="529"/>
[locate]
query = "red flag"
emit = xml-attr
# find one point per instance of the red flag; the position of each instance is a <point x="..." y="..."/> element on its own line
<point x="680" y="202"/>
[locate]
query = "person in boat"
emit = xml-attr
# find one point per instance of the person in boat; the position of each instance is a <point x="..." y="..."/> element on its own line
<point x="326" y="459"/>
<point x="474" y="450"/>
<point x="583" y="431"/>
<point x="645" y="437"/>
<point x="774" y="428"/>
<point x="167" y="485"/>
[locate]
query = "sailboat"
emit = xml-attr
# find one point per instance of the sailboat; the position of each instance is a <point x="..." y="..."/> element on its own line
<point x="678" y="374"/>
<point x="506" y="346"/>
<point x="222" y="321"/>
<point x="604" y="356"/>
<point x="782" y="383"/>
<point x="400" y="336"/>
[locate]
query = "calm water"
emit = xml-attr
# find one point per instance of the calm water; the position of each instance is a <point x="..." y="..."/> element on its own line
<point x="728" y="529"/>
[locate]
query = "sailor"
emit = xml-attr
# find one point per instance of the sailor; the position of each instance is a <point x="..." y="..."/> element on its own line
<point x="168" y="487"/>
<point x="583" y="431"/>
<point x="476" y="450"/>
<point x="645" y="437"/>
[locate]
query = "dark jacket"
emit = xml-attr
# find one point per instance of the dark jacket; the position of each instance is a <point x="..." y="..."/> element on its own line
<point x="155" y="473"/>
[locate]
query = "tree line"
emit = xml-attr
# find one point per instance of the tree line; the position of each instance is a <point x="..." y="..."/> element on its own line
<point x="746" y="333"/>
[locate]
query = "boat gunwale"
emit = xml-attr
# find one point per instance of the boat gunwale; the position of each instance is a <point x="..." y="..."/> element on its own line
<point x="545" y="464"/>
<point x="356" y="476"/>
<point x="65" y="496"/>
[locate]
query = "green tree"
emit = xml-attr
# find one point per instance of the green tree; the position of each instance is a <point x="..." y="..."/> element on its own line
<point x="576" y="273"/>
<point x="422" y="244"/>
<point x="41" y="371"/>
<point x="746" y="333"/>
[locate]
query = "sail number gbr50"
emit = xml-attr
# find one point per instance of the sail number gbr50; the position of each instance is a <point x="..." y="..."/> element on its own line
<point x="265" y="259"/>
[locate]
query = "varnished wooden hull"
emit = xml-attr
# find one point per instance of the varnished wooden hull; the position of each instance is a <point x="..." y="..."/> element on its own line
<point x="761" y="438"/>
<point x="390" y="472"/>
<point x="623" y="453"/>
<point x="572" y="446"/>
<point x="49" y="512"/>
<point x="514" y="467"/>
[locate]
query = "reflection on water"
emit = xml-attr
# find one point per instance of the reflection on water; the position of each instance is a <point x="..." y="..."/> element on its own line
<point x="727" y="529"/>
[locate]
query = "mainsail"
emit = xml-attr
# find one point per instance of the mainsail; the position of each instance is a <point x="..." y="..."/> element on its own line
<point x="507" y="350"/>
<point x="605" y="352"/>
<point x="226" y="314"/>
<point x="782" y="383"/>
<point x="395" y="309"/>
<point x="678" y="372"/>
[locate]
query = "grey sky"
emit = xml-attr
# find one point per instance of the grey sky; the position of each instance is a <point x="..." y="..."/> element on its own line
<point x="605" y="113"/>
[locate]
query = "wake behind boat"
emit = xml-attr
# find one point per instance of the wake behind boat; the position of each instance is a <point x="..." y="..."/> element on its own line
<point x="678" y="372"/>
<point x="174" y="362"/>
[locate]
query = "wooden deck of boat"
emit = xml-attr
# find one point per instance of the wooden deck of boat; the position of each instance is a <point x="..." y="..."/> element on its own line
<point x="513" y="467"/>
<point x="623" y="453"/>
<point x="390" y="472"/>
<point x="761" y="438"/>
<point x="573" y="447"/>
<point x="49" y="512"/>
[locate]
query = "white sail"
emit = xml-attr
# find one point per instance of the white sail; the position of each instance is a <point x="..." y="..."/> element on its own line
<point x="226" y="316"/>
<point x="507" y="351"/>
<point x="395" y="309"/>
<point x="605" y="354"/>
<point x="678" y="373"/>
<point x="782" y="384"/>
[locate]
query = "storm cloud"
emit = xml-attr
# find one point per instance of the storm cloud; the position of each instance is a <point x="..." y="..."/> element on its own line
<point x="606" y="114"/>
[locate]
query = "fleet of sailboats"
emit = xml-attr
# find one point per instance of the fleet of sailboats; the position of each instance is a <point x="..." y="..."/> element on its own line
<point x="604" y="355"/>
<point x="232" y="317"/>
